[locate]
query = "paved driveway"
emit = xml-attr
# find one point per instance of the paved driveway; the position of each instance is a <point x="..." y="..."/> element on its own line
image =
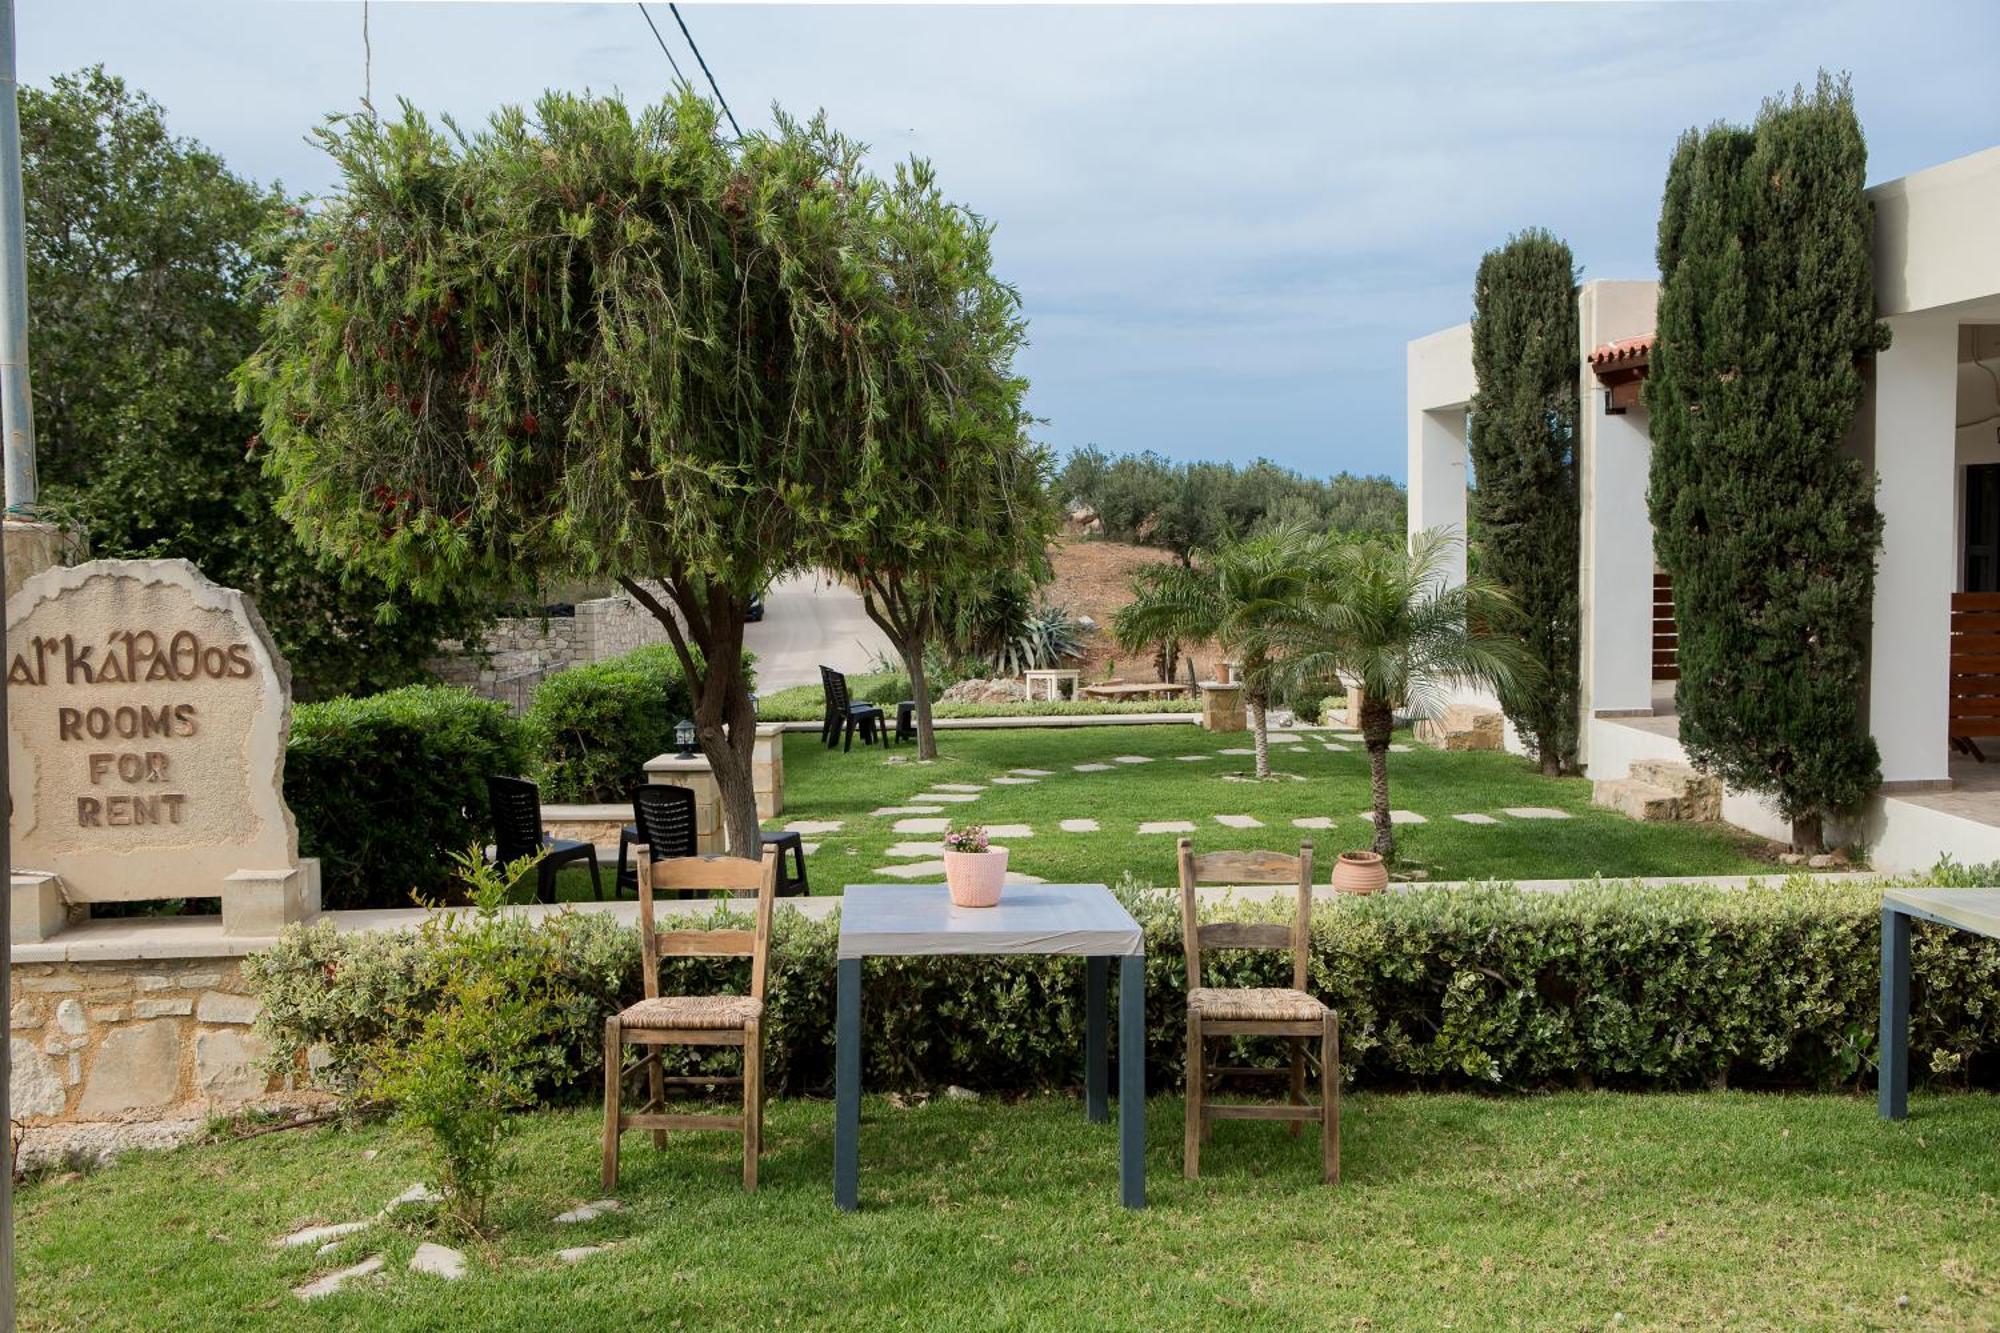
<point x="809" y="620"/>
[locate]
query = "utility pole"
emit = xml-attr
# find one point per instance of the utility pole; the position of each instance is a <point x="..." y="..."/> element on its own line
<point x="17" y="423"/>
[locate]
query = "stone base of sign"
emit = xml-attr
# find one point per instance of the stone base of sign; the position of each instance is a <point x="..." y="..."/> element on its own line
<point x="34" y="547"/>
<point x="767" y="769"/>
<point x="1222" y="707"/>
<point x="264" y="902"/>
<point x="39" y="908"/>
<point x="710" y="837"/>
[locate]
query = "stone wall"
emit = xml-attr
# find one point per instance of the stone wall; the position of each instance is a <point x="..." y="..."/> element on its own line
<point x="144" y="1040"/>
<point x="521" y="650"/>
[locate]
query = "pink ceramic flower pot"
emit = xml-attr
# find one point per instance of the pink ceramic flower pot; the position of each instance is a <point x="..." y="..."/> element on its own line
<point x="975" y="877"/>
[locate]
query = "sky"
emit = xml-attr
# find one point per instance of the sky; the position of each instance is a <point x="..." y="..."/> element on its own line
<point x="1225" y="222"/>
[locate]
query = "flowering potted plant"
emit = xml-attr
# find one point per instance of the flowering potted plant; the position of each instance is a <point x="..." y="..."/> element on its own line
<point x="973" y="869"/>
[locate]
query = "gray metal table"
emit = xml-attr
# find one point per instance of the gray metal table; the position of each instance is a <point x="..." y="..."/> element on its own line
<point x="911" y="920"/>
<point x="1973" y="910"/>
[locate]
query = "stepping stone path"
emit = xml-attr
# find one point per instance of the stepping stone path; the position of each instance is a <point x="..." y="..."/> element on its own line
<point x="814" y="826"/>
<point x="1313" y="821"/>
<point x="1239" y="821"/>
<point x="578" y="1252"/>
<point x="888" y="810"/>
<point x="1167" y="826"/>
<point x="1331" y="748"/>
<point x="1299" y="749"/>
<point x="957" y="786"/>
<point x="1399" y="749"/>
<point x="418" y="1193"/>
<point x="1397" y="817"/>
<point x="1131" y="759"/>
<point x="439" y="1261"/>
<point x="318" y="1235"/>
<point x="914" y="849"/>
<point x="1092" y="768"/>
<point x="948" y="797"/>
<point x="1475" y="819"/>
<point x="1237" y="749"/>
<point x="808" y="848"/>
<point x="1015" y="782"/>
<point x="1192" y="758"/>
<point x="930" y="869"/>
<point x="1031" y="772"/>
<point x="333" y="1282"/>
<point x="921" y="825"/>
<point x="589" y="1212"/>
<point x="1535" y="812"/>
<point x="1079" y="826"/>
<point x="1009" y="831"/>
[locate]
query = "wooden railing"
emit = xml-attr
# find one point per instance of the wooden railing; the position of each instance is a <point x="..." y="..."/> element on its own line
<point x="1975" y="667"/>
<point x="1666" y="643"/>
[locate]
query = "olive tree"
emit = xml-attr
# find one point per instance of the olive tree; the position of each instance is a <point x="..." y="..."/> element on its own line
<point x="585" y="343"/>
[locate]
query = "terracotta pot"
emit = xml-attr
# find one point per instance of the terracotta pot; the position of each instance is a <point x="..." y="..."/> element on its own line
<point x="1360" y="872"/>
<point x="975" y="877"/>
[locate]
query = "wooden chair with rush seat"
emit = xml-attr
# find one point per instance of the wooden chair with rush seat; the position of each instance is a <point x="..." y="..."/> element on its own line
<point x="1292" y="1014"/>
<point x="693" y="1020"/>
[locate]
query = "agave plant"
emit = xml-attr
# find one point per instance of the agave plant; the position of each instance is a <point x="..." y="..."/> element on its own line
<point x="1044" y="637"/>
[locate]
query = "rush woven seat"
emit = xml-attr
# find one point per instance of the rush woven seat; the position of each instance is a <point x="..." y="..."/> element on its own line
<point x="692" y="1020"/>
<point x="707" y="1012"/>
<point x="1264" y="1002"/>
<point x="1287" y="1013"/>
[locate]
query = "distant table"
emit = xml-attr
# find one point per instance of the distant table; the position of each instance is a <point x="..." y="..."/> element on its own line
<point x="1053" y="680"/>
<point x="913" y="920"/>
<point x="1137" y="689"/>
<point x="1974" y="910"/>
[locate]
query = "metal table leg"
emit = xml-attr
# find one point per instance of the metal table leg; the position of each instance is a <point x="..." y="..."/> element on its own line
<point x="1096" y="1052"/>
<point x="847" y="1086"/>
<point x="1132" y="1081"/>
<point x="1892" y="1082"/>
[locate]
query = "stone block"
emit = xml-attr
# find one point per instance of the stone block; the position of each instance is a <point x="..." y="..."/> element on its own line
<point x="1463" y="727"/>
<point x="23" y="1016"/>
<point x="228" y="1066"/>
<point x="36" y="1088"/>
<point x="221" y="1007"/>
<point x="1222" y="707"/>
<point x="70" y="1018"/>
<point x="1636" y="800"/>
<point x="264" y="902"/>
<point x="39" y="908"/>
<point x="135" y="1068"/>
<point x="1699" y="794"/>
<point x="179" y="1007"/>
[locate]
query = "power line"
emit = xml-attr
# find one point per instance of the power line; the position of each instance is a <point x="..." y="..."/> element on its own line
<point x="662" y="41"/>
<point x="676" y="11"/>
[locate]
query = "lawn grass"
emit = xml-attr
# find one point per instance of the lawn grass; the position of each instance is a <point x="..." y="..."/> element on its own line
<point x="1563" y="1211"/>
<point x="822" y="784"/>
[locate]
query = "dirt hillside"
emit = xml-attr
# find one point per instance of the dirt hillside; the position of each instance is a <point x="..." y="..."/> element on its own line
<point x="1094" y="578"/>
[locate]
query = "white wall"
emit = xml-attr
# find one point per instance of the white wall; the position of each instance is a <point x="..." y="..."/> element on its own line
<point x="1438" y="387"/>
<point x="1934" y="236"/>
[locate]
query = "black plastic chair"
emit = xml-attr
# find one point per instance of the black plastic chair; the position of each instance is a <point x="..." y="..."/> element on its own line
<point x="662" y="819"/>
<point x="843" y="715"/>
<point x="517" y="832"/>
<point x="787" y="841"/>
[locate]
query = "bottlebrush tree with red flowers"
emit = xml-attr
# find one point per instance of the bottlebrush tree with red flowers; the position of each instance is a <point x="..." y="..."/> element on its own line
<point x="585" y="342"/>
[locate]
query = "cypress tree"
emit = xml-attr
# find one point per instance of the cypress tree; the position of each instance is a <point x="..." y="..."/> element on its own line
<point x="1767" y="527"/>
<point x="1522" y="439"/>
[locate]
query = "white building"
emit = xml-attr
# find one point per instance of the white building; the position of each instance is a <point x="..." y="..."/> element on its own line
<point x="1930" y="425"/>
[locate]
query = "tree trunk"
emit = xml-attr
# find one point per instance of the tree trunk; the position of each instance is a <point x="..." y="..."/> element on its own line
<point x="920" y="694"/>
<point x="1378" y="720"/>
<point x="1261" y="738"/>
<point x="1552" y="764"/>
<point x="1808" y="835"/>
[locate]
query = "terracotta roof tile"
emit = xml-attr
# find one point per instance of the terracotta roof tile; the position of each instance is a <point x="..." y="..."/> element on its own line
<point x="1626" y="352"/>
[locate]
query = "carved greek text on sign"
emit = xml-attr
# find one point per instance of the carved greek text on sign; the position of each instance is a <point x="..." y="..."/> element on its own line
<point x="148" y="712"/>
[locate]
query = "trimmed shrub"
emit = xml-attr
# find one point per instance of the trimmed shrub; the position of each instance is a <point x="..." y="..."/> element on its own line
<point x="593" y="727"/>
<point x="386" y="788"/>
<point x="1492" y="988"/>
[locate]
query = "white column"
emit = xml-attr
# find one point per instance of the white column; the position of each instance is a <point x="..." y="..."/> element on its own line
<point x="1916" y="399"/>
<point x="1615" y="593"/>
<point x="1437" y="480"/>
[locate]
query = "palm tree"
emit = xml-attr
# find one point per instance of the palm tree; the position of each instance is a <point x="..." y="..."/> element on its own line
<point x="1232" y="595"/>
<point x="1385" y="620"/>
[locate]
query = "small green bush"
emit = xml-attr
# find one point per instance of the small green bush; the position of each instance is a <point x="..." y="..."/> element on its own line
<point x="1614" y="985"/>
<point x="593" y="727"/>
<point x="385" y="788"/>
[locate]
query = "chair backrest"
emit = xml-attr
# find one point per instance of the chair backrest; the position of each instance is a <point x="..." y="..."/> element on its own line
<point x="664" y="818"/>
<point x="726" y="874"/>
<point x="835" y="685"/>
<point x="1246" y="868"/>
<point x="517" y="817"/>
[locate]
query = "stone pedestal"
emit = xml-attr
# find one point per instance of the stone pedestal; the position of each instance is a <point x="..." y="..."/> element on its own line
<point x="263" y="902"/>
<point x="710" y="837"/>
<point x="1222" y="707"/>
<point x="767" y="769"/>
<point x="39" y="910"/>
<point x="32" y="548"/>
<point x="1354" y="704"/>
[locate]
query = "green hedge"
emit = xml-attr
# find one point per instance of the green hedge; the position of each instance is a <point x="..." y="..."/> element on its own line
<point x="593" y="727"/>
<point x="1616" y="985"/>
<point x="385" y="788"/>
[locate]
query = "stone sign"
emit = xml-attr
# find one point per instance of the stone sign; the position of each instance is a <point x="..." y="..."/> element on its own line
<point x="147" y="716"/>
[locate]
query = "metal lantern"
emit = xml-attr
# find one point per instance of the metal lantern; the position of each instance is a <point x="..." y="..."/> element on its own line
<point x="684" y="737"/>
